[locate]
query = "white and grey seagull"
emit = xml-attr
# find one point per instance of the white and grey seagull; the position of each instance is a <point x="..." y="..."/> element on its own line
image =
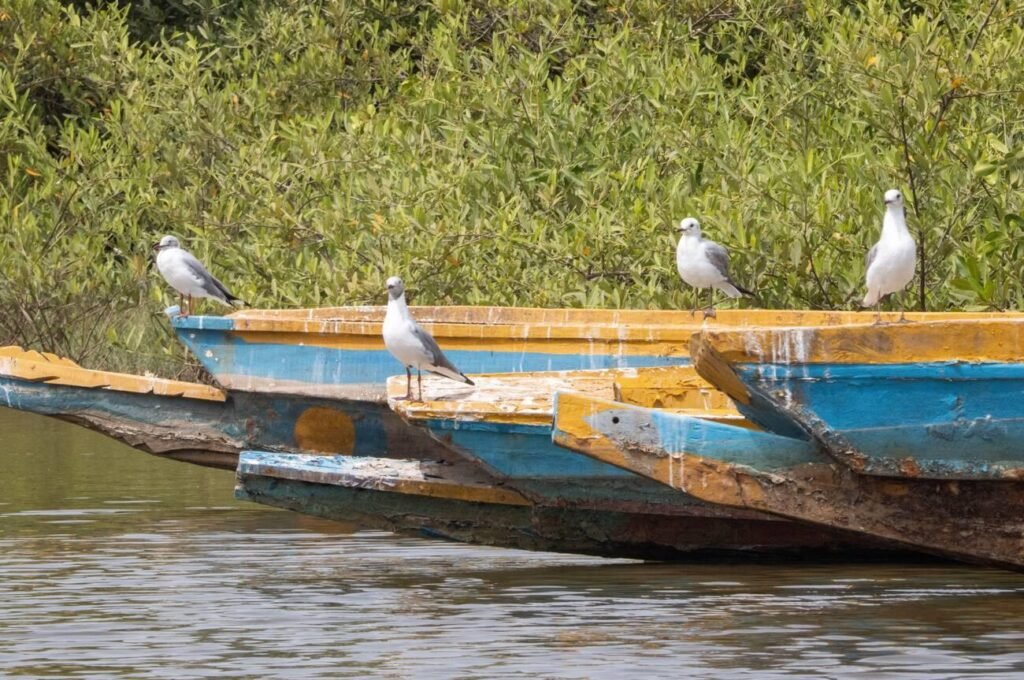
<point x="890" y="262"/>
<point x="188" y="276"/>
<point x="702" y="263"/>
<point x="412" y="345"/>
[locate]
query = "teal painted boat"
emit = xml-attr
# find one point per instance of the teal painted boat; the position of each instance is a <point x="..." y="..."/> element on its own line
<point x="448" y="501"/>
<point x="339" y="352"/>
<point x="979" y="521"/>
<point x="200" y="423"/>
<point x="504" y="423"/>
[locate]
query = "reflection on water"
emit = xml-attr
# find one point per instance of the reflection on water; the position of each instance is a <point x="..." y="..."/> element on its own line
<point x="115" y="563"/>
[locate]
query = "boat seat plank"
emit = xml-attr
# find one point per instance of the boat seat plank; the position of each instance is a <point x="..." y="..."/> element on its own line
<point x="527" y="398"/>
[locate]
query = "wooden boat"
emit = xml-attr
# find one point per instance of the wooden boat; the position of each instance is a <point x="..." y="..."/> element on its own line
<point x="199" y="423"/>
<point x="339" y="353"/>
<point x="437" y="493"/>
<point x="935" y="400"/>
<point x="504" y="424"/>
<point x="906" y="432"/>
<point x="458" y="503"/>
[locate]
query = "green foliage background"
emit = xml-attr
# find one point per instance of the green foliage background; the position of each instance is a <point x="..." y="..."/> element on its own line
<point x="510" y="153"/>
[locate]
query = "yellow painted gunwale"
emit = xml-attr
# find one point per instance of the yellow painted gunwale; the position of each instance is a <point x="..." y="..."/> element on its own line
<point x="968" y="340"/>
<point x="33" y="366"/>
<point x="559" y="331"/>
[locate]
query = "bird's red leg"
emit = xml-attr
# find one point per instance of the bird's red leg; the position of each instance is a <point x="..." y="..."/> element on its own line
<point x="419" y="381"/>
<point x="408" y="384"/>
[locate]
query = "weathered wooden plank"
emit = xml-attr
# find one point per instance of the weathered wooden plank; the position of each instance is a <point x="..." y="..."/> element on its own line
<point x="38" y="367"/>
<point x="457" y="481"/>
<point x="977" y="521"/>
<point x="504" y="424"/>
<point x="952" y="338"/>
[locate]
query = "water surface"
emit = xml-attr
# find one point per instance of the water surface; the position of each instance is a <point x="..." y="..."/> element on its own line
<point x="114" y="563"/>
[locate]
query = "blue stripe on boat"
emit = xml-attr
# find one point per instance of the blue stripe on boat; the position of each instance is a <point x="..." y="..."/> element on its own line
<point x="224" y="353"/>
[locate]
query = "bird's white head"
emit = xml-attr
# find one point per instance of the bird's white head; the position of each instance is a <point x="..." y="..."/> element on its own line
<point x="167" y="242"/>
<point x="689" y="227"/>
<point x="395" y="288"/>
<point x="894" y="198"/>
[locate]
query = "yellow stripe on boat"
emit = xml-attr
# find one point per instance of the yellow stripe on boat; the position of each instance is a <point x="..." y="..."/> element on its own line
<point x="960" y="339"/>
<point x="562" y="331"/>
<point x="33" y="366"/>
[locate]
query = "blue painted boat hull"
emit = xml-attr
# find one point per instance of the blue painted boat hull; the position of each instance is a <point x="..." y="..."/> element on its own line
<point x="936" y="420"/>
<point x="240" y="364"/>
<point x="212" y="433"/>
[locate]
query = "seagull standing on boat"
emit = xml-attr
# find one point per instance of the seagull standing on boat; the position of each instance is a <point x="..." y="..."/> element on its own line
<point x="188" y="276"/>
<point x="890" y="263"/>
<point x="702" y="263"/>
<point x="412" y="345"/>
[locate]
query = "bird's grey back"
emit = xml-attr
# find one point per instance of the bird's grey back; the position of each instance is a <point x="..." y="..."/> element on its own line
<point x="718" y="256"/>
<point x="209" y="282"/>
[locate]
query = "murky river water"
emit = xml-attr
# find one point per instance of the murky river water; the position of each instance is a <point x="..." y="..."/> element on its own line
<point x="117" y="564"/>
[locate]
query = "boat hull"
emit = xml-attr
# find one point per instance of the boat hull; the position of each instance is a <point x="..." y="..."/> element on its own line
<point x="212" y="433"/>
<point x="340" y="353"/>
<point x="390" y="497"/>
<point x="930" y="400"/>
<point x="974" y="521"/>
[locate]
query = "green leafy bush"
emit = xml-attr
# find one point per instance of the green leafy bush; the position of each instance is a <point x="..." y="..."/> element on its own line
<point x="511" y="153"/>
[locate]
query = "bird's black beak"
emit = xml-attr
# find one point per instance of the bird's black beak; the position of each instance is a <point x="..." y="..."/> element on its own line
<point x="888" y="202"/>
<point x="156" y="247"/>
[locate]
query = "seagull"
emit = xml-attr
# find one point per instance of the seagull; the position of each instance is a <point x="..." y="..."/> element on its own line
<point x="890" y="262"/>
<point x="412" y="345"/>
<point x="188" y="276"/>
<point x="705" y="264"/>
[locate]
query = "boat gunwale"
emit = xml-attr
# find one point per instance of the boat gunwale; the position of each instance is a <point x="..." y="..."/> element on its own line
<point x="17" y="363"/>
<point x="545" y="323"/>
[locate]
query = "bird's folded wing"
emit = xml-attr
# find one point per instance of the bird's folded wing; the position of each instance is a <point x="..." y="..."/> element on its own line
<point x="718" y="256"/>
<point x="437" y="357"/>
<point x="207" y="280"/>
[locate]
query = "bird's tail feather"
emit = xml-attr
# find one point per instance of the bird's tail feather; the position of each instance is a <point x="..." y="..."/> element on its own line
<point x="745" y="291"/>
<point x="449" y="373"/>
<point x="735" y="290"/>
